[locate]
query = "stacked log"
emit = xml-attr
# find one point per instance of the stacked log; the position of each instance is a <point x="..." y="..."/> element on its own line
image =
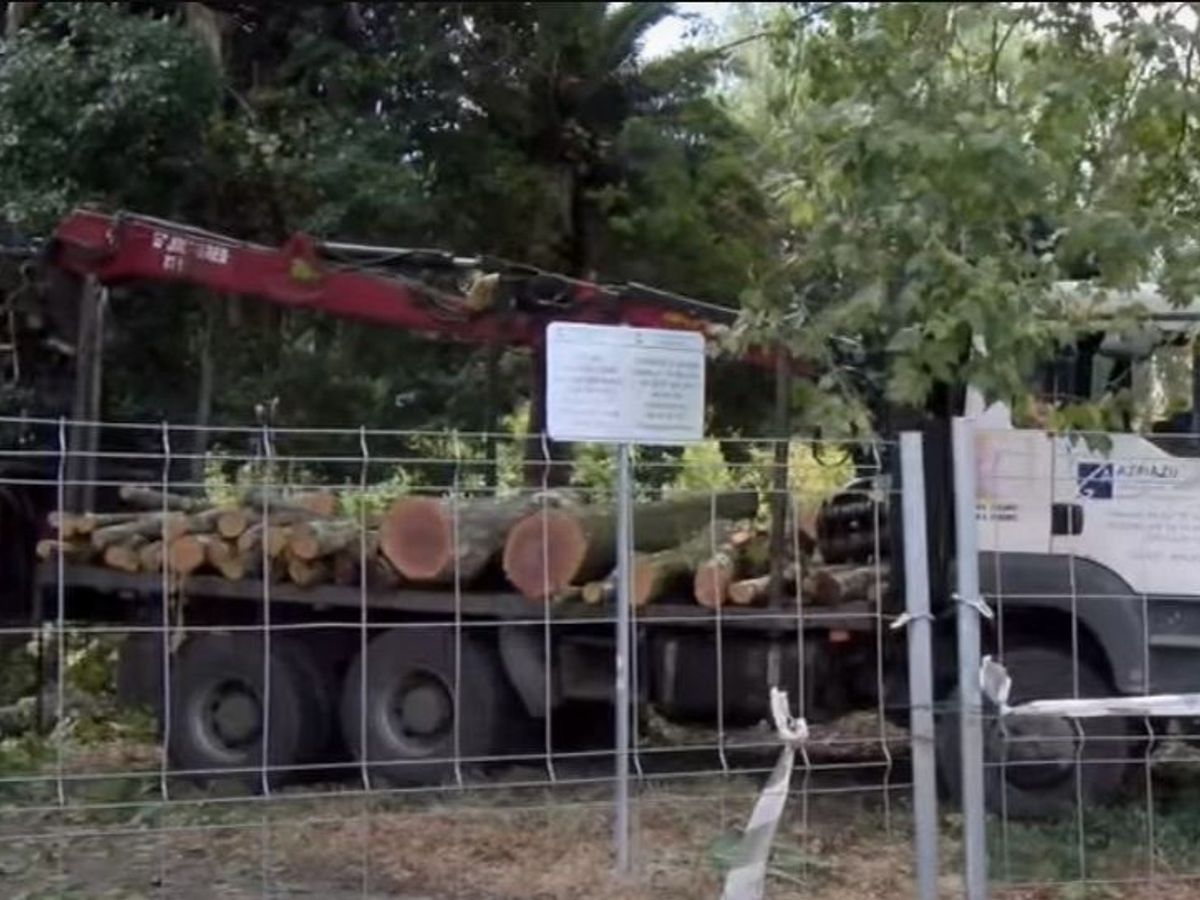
<point x="549" y="546"/>
<point x="186" y="536"/>
<point x="549" y="550"/>
<point x="437" y="540"/>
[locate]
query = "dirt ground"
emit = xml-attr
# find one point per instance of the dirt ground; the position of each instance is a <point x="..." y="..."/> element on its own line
<point x="843" y="838"/>
<point x="358" y="848"/>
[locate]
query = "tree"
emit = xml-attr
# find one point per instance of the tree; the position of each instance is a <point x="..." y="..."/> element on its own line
<point x="527" y="131"/>
<point x="937" y="168"/>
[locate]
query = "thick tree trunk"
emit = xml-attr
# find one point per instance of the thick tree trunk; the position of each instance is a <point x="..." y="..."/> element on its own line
<point x="549" y="550"/>
<point x="19" y="12"/>
<point x="418" y="534"/>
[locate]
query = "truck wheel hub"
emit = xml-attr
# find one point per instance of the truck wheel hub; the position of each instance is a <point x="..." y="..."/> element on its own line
<point x="235" y="715"/>
<point x="425" y="707"/>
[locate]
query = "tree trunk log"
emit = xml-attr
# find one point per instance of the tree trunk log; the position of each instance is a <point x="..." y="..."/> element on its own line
<point x="656" y="573"/>
<point x="167" y="526"/>
<point x="840" y="584"/>
<point x="72" y="551"/>
<point x="752" y="591"/>
<point x="714" y="575"/>
<point x="313" y="540"/>
<point x="322" y="504"/>
<point x="141" y="497"/>
<point x="125" y="556"/>
<point x="150" y="557"/>
<point x="69" y="525"/>
<point x="187" y="553"/>
<point x="418" y="534"/>
<point x="251" y="540"/>
<point x="549" y="550"/>
<point x="232" y="523"/>
<point x="224" y="556"/>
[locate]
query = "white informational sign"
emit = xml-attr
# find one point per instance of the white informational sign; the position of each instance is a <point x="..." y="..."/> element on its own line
<point x="616" y="384"/>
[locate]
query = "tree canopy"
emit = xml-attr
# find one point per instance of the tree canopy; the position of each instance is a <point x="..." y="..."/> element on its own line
<point x="890" y="190"/>
<point x="936" y="168"/>
<point x="529" y="131"/>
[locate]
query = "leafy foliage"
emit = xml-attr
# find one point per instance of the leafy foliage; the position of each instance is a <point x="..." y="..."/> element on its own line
<point x="100" y="106"/>
<point x="529" y="131"/>
<point x="936" y="168"/>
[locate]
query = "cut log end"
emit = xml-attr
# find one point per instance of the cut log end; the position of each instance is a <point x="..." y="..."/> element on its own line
<point x="536" y="573"/>
<point x="417" y="538"/>
<point x="123" y="557"/>
<point x="712" y="581"/>
<point x="232" y="523"/>
<point x="187" y="554"/>
<point x="304" y="573"/>
<point x="150" y="557"/>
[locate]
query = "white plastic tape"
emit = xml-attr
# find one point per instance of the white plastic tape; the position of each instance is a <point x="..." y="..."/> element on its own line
<point x="997" y="687"/>
<point x="747" y="879"/>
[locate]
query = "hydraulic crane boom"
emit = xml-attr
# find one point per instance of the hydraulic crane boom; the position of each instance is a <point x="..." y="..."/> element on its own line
<point x="428" y="292"/>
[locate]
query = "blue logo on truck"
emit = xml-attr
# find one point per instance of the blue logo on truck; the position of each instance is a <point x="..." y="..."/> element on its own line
<point x="1095" y="480"/>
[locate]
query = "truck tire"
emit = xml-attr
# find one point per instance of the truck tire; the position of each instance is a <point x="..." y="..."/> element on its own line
<point x="407" y="712"/>
<point x="139" y="672"/>
<point x="1025" y="789"/>
<point x="320" y="693"/>
<point x="217" y="701"/>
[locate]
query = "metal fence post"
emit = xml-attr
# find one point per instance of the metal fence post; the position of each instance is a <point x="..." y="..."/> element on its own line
<point x="968" y="612"/>
<point x="624" y="572"/>
<point x="920" y="664"/>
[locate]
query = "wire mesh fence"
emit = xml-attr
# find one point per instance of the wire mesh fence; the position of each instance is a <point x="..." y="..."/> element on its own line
<point x="1089" y="566"/>
<point x="260" y="661"/>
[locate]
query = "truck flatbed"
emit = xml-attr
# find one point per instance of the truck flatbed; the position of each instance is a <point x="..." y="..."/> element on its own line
<point x="505" y="606"/>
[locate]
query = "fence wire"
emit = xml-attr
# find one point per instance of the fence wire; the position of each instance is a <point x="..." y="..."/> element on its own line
<point x="270" y="704"/>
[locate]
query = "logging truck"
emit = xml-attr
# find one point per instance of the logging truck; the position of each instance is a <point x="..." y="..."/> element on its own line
<point x="441" y="632"/>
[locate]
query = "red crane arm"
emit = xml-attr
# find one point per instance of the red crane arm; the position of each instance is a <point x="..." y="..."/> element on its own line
<point x="333" y="279"/>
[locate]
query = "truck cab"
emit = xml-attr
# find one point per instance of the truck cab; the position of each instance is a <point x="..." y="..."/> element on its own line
<point x="1089" y="554"/>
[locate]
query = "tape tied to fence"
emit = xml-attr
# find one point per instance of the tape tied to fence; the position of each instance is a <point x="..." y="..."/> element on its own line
<point x="747" y="879"/>
<point x="996" y="685"/>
